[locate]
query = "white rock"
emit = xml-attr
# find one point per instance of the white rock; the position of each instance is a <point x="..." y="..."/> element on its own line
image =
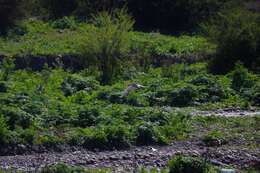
<point x="227" y="171"/>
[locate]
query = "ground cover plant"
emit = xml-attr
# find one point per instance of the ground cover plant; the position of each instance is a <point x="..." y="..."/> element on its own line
<point x="67" y="37"/>
<point x="73" y="108"/>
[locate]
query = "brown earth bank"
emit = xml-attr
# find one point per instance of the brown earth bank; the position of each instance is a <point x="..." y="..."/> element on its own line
<point x="127" y="160"/>
<point x="74" y="62"/>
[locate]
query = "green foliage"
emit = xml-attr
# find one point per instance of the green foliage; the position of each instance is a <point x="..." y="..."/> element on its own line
<point x="253" y="94"/>
<point x="87" y="117"/>
<point x="3" y="130"/>
<point x="241" y="78"/>
<point x="75" y="83"/>
<point x="236" y="33"/>
<point x="74" y="109"/>
<point x="214" y="138"/>
<point x="16" y="117"/>
<point x="7" y="66"/>
<point x="62" y="168"/>
<point x="65" y="23"/>
<point x="147" y="134"/>
<point x="108" y="44"/>
<point x="182" y="96"/>
<point x="182" y="164"/>
<point x="35" y="37"/>
<point x="107" y="138"/>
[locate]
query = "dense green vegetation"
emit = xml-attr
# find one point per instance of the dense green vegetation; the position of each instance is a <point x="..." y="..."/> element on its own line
<point x="67" y="36"/>
<point x="237" y="34"/>
<point x="55" y="106"/>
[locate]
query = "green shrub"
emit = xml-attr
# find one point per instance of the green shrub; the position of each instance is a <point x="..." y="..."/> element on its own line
<point x="252" y="94"/>
<point x="145" y="135"/>
<point x="7" y="66"/>
<point x="75" y="83"/>
<point x="158" y="116"/>
<point x="182" y="164"/>
<point x="95" y="140"/>
<point x="241" y="78"/>
<point x="3" y="131"/>
<point x="49" y="140"/>
<point x="118" y="137"/>
<point x="28" y="136"/>
<point x="65" y="23"/>
<point x="148" y="134"/>
<point x="214" y="138"/>
<point x="182" y="96"/>
<point x="17" y="117"/>
<point x="236" y="32"/>
<point x="87" y="117"/>
<point x="108" y="44"/>
<point x="114" y="96"/>
<point x="107" y="138"/>
<point x="61" y="168"/>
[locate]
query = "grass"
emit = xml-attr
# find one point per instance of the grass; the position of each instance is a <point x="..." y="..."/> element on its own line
<point x="221" y="131"/>
<point x="33" y="37"/>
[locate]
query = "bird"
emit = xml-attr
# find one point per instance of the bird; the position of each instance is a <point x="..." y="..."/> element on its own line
<point x="130" y="88"/>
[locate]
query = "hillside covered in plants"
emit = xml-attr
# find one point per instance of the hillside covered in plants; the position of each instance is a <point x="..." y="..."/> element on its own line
<point x="101" y="87"/>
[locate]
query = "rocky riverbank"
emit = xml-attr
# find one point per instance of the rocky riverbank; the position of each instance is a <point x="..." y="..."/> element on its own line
<point x="127" y="160"/>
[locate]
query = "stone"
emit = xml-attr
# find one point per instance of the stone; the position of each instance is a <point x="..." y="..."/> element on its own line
<point x="227" y="171"/>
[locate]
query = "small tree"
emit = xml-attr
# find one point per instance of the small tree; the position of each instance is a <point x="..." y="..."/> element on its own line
<point x="237" y="35"/>
<point x="108" y="44"/>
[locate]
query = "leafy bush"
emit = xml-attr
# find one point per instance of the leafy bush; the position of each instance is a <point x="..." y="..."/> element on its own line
<point x="182" y="164"/>
<point x="214" y="138"/>
<point x="87" y="117"/>
<point x="236" y="33"/>
<point x="61" y="168"/>
<point x="118" y="137"/>
<point x="108" y="44"/>
<point x="182" y="97"/>
<point x="252" y="94"/>
<point x="65" y="23"/>
<point x="75" y="83"/>
<point x="17" y="117"/>
<point x="7" y="66"/>
<point x="241" y="78"/>
<point x="148" y="134"/>
<point x="3" y="130"/>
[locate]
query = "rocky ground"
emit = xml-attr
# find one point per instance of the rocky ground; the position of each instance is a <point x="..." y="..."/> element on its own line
<point x="237" y="154"/>
<point x="228" y="112"/>
<point x="120" y="161"/>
